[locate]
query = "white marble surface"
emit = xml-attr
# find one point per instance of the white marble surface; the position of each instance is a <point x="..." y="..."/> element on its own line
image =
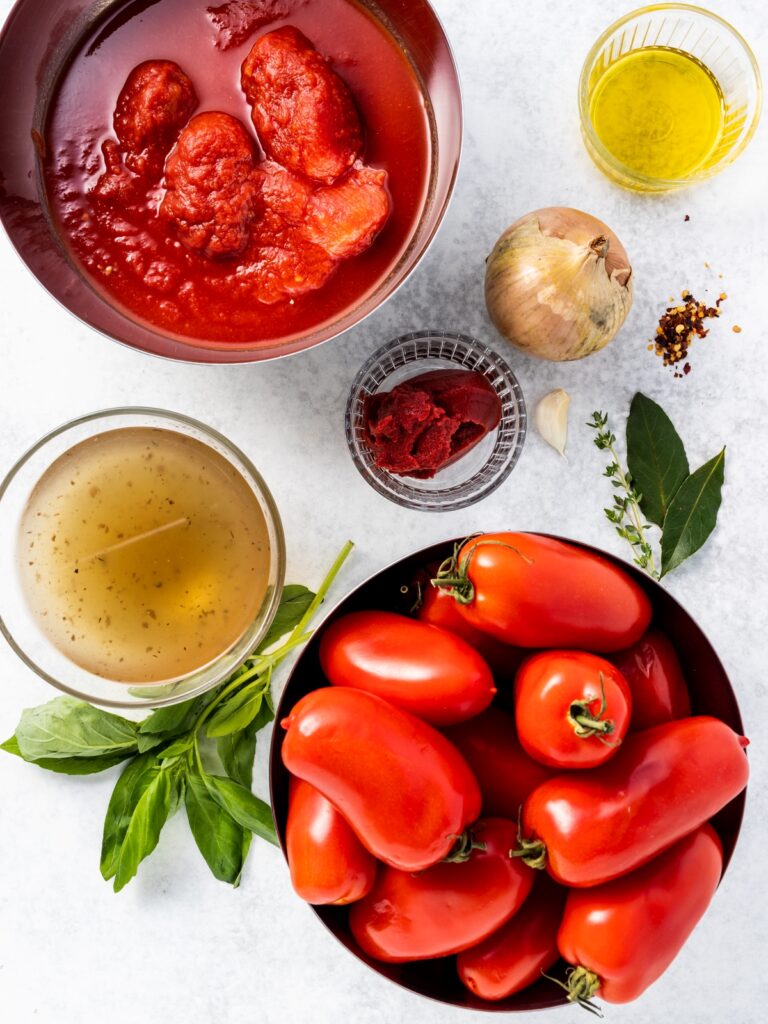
<point x="179" y="947"/>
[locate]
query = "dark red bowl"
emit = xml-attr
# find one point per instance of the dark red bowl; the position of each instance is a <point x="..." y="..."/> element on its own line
<point x="392" y="589"/>
<point x="36" y="43"/>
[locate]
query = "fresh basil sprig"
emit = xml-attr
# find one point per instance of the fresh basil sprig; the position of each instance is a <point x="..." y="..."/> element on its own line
<point x="168" y="753"/>
<point x="658" y="487"/>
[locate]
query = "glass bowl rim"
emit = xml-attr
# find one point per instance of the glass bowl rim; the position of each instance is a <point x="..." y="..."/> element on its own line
<point x="605" y="154"/>
<point x="277" y="556"/>
<point x="416" y="499"/>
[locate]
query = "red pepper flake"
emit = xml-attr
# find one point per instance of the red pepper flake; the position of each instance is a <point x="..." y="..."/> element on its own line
<point x="686" y="217"/>
<point x="680" y="325"/>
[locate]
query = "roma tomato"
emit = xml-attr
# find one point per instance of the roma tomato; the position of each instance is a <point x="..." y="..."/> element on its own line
<point x="532" y="591"/>
<point x="328" y="862"/>
<point x="514" y="956"/>
<point x="507" y="775"/>
<point x="652" y="670"/>
<point x="661" y="785"/>
<point x="623" y="935"/>
<point x="439" y="608"/>
<point x="447" y="908"/>
<point x="405" y="790"/>
<point x="572" y="709"/>
<point x="419" y="668"/>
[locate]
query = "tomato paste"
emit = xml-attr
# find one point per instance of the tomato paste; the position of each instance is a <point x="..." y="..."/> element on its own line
<point x="428" y="422"/>
<point x="235" y="159"/>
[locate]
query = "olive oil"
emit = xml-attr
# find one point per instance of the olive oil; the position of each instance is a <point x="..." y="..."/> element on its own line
<point x="144" y="554"/>
<point x="658" y="111"/>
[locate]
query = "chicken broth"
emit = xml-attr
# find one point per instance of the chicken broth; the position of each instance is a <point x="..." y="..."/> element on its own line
<point x="144" y="555"/>
<point x="139" y="251"/>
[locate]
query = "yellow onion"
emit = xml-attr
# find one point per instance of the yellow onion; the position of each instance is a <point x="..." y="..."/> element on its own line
<point x="558" y="284"/>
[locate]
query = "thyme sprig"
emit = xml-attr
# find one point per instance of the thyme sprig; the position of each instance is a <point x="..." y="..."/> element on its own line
<point x="626" y="515"/>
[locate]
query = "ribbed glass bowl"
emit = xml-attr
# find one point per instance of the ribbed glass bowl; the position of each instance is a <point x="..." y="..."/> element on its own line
<point x="711" y="41"/>
<point x="478" y="473"/>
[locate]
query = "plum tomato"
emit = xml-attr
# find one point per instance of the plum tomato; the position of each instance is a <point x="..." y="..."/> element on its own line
<point x="572" y="709"/>
<point x="345" y="218"/>
<point x="155" y="103"/>
<point x="534" y="591"/>
<point x="663" y="783"/>
<point x="404" y="788"/>
<point x="621" y="936"/>
<point x="211" y="190"/>
<point x="652" y="671"/>
<point x="303" y="112"/>
<point x="514" y="956"/>
<point x="506" y="774"/>
<point x="328" y="863"/>
<point x="450" y="906"/>
<point x="438" y="608"/>
<point x="419" y="668"/>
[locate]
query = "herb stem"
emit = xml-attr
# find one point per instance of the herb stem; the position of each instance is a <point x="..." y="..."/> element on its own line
<point x="261" y="664"/>
<point x="633" y="509"/>
<point x="322" y="590"/>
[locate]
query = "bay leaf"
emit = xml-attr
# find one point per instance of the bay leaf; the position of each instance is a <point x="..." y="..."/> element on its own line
<point x="692" y="515"/>
<point x="656" y="457"/>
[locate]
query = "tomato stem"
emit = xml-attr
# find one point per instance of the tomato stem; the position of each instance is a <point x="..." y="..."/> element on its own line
<point x="463" y="847"/>
<point x="585" y="723"/>
<point x="532" y="852"/>
<point x="581" y="984"/>
<point x="453" y="573"/>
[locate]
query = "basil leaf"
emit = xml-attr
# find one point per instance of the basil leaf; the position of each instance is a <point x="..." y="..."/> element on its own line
<point x="148" y="741"/>
<point x="128" y="790"/>
<point x="177" y="748"/>
<point x="246" y="849"/>
<point x="67" y="765"/>
<point x="693" y="513"/>
<point x="66" y="727"/>
<point x="293" y="604"/>
<point x="145" y="825"/>
<point x="245" y="807"/>
<point x="237" y="752"/>
<point x="656" y="457"/>
<point x="218" y="836"/>
<point x="238" y="712"/>
<point x="176" y="718"/>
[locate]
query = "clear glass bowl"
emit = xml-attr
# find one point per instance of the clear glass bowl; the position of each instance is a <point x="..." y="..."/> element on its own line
<point x="20" y="627"/>
<point x="484" y="467"/>
<point x="716" y="45"/>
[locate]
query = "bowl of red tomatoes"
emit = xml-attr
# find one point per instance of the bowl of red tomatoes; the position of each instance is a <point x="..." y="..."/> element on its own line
<point x="249" y="179"/>
<point x="509" y="773"/>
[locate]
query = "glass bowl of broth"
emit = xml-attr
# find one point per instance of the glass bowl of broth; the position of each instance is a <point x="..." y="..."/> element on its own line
<point x="121" y="271"/>
<point x="144" y="557"/>
<point x="669" y="95"/>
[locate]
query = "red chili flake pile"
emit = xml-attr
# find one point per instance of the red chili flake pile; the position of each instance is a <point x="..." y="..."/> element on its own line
<point x="678" y="327"/>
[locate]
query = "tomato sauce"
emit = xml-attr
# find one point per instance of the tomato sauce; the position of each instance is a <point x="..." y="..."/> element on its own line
<point x="126" y="250"/>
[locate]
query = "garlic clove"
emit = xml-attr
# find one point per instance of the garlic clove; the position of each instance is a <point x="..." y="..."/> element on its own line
<point x="551" y="418"/>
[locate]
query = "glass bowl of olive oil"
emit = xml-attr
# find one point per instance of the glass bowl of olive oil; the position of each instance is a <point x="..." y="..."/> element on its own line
<point x="143" y="557"/>
<point x="669" y="95"/>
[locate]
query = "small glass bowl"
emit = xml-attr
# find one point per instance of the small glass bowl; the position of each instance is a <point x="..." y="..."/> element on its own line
<point x="20" y="627"/>
<point x="478" y="473"/>
<point x="711" y="41"/>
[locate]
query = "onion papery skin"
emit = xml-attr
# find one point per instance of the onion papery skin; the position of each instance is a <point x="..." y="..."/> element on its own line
<point x="558" y="284"/>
